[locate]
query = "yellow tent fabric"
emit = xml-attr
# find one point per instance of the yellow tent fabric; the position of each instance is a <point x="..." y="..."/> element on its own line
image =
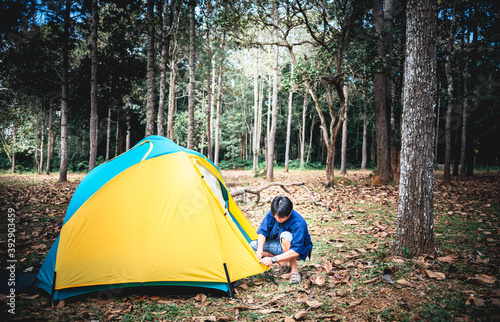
<point x="157" y="221"/>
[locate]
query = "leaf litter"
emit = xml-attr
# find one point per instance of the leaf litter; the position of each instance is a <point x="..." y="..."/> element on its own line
<point x="352" y="226"/>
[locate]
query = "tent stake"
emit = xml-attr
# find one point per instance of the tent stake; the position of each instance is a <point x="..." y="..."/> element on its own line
<point x="229" y="285"/>
<point x="53" y="289"/>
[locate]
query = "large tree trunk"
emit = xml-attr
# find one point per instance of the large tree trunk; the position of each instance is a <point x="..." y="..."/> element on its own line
<point x="63" y="174"/>
<point x="382" y="86"/>
<point x="451" y="104"/>
<point x="93" y="89"/>
<point x="150" y="112"/>
<point x="274" y="116"/>
<point x="36" y="163"/>
<point x="415" y="233"/>
<point x="364" y="152"/>
<point x="49" y="138"/>
<point x="192" y="48"/>
<point x="343" y="162"/>
<point x="165" y="42"/>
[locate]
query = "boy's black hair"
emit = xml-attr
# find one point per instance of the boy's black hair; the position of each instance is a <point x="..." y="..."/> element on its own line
<point x="281" y="206"/>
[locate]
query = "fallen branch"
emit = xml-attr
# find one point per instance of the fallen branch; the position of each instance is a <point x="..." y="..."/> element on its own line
<point x="256" y="191"/>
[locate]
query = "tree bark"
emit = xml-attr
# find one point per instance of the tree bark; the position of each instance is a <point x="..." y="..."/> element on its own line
<point x="217" y="118"/>
<point x="117" y="133"/>
<point x="288" y="127"/>
<point x="256" y="132"/>
<point x="274" y="116"/>
<point x="93" y="89"/>
<point x="13" y="158"/>
<point x="173" y="80"/>
<point x="108" y="134"/>
<point x="165" y="44"/>
<point x="343" y="163"/>
<point x="40" y="163"/>
<point x="63" y="174"/>
<point x="192" y="62"/>
<point x="414" y="234"/>
<point x="150" y="68"/>
<point x="383" y="26"/>
<point x="303" y="134"/>
<point x="364" y="152"/>
<point x="49" y="138"/>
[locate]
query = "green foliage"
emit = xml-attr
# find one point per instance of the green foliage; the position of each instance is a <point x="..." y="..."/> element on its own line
<point x="235" y="163"/>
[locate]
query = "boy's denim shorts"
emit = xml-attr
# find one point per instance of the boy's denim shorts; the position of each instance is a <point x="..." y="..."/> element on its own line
<point x="273" y="246"/>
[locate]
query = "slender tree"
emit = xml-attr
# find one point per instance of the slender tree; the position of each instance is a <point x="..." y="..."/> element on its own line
<point x="150" y="115"/>
<point x="364" y="152"/>
<point x="63" y="168"/>
<point x="93" y="88"/>
<point x="415" y="233"/>
<point x="192" y="62"/>
<point x="49" y="138"/>
<point x="165" y="43"/>
<point x="343" y="156"/>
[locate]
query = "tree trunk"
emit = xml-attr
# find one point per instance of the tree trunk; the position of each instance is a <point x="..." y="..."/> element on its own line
<point x="217" y="118"/>
<point x="465" y="115"/>
<point x="172" y="100"/>
<point x="343" y="163"/>
<point x="451" y="104"/>
<point x="117" y="133"/>
<point x="150" y="117"/>
<point x="127" y="139"/>
<point x="274" y="116"/>
<point x="165" y="44"/>
<point x="268" y="124"/>
<point x="40" y="163"/>
<point x="36" y="163"/>
<point x="364" y="152"/>
<point x="383" y="24"/>
<point x="63" y="174"/>
<point x="192" y="62"/>
<point x="49" y="138"/>
<point x="93" y="89"/>
<point x="289" y="123"/>
<point x="14" y="141"/>
<point x="303" y="134"/>
<point x="108" y="134"/>
<point x="415" y="233"/>
<point x="256" y="133"/>
<point x="438" y="108"/>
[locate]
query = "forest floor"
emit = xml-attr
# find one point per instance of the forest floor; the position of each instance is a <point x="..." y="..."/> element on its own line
<point x="351" y="276"/>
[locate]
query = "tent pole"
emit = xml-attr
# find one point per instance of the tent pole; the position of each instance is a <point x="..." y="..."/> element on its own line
<point x="229" y="285"/>
<point x="53" y="289"/>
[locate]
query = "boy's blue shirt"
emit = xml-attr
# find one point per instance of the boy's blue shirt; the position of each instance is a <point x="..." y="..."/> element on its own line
<point x="301" y="243"/>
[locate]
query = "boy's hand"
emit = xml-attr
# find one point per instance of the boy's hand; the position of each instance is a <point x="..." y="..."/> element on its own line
<point x="258" y="254"/>
<point x="266" y="261"/>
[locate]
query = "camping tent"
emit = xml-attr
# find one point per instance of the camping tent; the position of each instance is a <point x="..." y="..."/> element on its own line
<point x="158" y="214"/>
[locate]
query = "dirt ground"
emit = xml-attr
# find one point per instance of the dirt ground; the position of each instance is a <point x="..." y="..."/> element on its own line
<point x="350" y="277"/>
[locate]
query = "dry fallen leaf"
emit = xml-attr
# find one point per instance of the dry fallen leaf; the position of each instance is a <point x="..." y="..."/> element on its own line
<point x="301" y="315"/>
<point x="60" y="304"/>
<point x="350" y="222"/>
<point x="269" y="311"/>
<point x="447" y="259"/>
<point x="484" y="279"/>
<point x="404" y="282"/>
<point x="318" y="280"/>
<point x="314" y="304"/>
<point x="204" y="318"/>
<point x="354" y="302"/>
<point x="200" y="297"/>
<point x="437" y="275"/>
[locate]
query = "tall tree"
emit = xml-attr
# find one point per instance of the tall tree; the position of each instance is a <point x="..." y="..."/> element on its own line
<point x="49" y="137"/>
<point x="165" y="44"/>
<point x="150" y="113"/>
<point x="364" y="153"/>
<point x="415" y="233"/>
<point x="192" y="62"/>
<point x="256" y="120"/>
<point x="451" y="100"/>
<point x="63" y="168"/>
<point x="93" y="88"/>
<point x="383" y="12"/>
<point x="274" y="114"/>
<point x="343" y="158"/>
